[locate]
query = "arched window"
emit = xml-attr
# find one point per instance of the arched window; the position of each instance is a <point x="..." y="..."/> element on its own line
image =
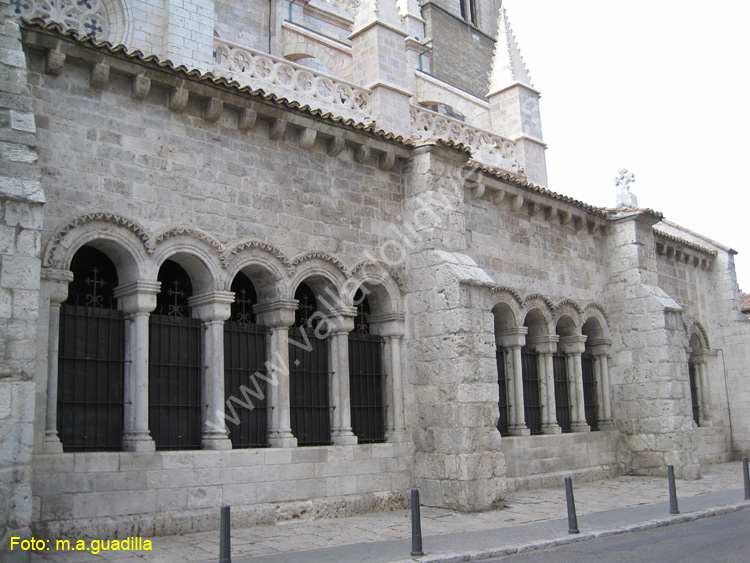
<point x="91" y="357"/>
<point x="309" y="375"/>
<point x="366" y="377"/>
<point x="245" y="375"/>
<point x="175" y="365"/>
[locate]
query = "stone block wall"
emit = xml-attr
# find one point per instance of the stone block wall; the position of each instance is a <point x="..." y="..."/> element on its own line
<point x="544" y="461"/>
<point x="116" y="495"/>
<point x="21" y="200"/>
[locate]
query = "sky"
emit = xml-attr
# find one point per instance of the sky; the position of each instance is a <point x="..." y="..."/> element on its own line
<point x="660" y="87"/>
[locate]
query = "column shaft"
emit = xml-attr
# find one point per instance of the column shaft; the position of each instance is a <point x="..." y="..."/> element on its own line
<point x="136" y="435"/>
<point x="519" y="423"/>
<point x="280" y="427"/>
<point x="579" y="423"/>
<point x="52" y="442"/>
<point x="342" y="428"/>
<point x="552" y="426"/>
<point x="215" y="436"/>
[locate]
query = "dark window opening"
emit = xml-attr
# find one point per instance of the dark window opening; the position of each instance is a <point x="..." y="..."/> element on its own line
<point x="589" y="391"/>
<point x="91" y="357"/>
<point x="245" y="373"/>
<point x="366" y="377"/>
<point x="503" y="402"/>
<point x="562" y="391"/>
<point x="532" y="403"/>
<point x="309" y="398"/>
<point x="175" y="365"/>
<point x="694" y="393"/>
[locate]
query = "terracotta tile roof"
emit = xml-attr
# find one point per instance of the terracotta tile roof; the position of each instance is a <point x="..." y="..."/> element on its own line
<point x="745" y="303"/>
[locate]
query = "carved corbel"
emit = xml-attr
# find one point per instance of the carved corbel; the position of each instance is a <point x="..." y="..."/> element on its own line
<point x="276" y="129"/>
<point x="307" y="137"/>
<point x="593" y="227"/>
<point x="361" y="153"/>
<point x="550" y="214"/>
<point x="578" y="223"/>
<point x="212" y="110"/>
<point x="565" y="217"/>
<point x="178" y="99"/>
<point x="55" y="62"/>
<point x="99" y="76"/>
<point x="498" y="196"/>
<point x="246" y="119"/>
<point x="140" y="87"/>
<point x="478" y="190"/>
<point x="387" y="161"/>
<point x="336" y="146"/>
<point x="533" y="208"/>
<point x="516" y="202"/>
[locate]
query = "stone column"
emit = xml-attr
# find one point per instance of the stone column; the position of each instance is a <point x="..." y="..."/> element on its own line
<point x="573" y="347"/>
<point x="342" y="323"/>
<point x="213" y="308"/>
<point x="278" y="316"/>
<point x="600" y="350"/>
<point x="515" y="339"/>
<point x="545" y="347"/>
<point x="391" y="327"/>
<point x="56" y="286"/>
<point x="136" y="300"/>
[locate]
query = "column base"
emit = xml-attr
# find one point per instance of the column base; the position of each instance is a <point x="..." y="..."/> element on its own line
<point x="138" y="442"/>
<point x="282" y="440"/>
<point x="606" y="425"/>
<point x="580" y="427"/>
<point x="216" y="442"/>
<point x="52" y="443"/>
<point x="519" y="431"/>
<point x="343" y="438"/>
<point x="551" y="429"/>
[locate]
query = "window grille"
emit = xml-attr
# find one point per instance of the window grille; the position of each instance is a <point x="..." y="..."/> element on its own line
<point x="532" y="404"/>
<point x="91" y="357"/>
<point x="694" y="393"/>
<point x="366" y="378"/>
<point x="589" y="391"/>
<point x="244" y="357"/>
<point x="309" y="375"/>
<point x="502" y="382"/>
<point x="175" y="365"/>
<point x="562" y="391"/>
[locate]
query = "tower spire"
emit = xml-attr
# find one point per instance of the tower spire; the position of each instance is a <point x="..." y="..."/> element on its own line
<point x="508" y="67"/>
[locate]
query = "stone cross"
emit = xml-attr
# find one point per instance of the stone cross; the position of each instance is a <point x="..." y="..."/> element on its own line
<point x="625" y="199"/>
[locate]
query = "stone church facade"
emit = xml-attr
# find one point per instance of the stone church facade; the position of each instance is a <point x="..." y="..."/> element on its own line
<point x="299" y="257"/>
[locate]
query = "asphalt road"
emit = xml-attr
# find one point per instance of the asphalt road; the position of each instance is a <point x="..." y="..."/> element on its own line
<point x="724" y="539"/>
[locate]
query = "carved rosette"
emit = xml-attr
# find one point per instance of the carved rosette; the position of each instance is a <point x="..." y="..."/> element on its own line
<point x="87" y="17"/>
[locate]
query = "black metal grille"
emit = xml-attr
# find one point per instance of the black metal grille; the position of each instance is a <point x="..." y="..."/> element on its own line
<point x="366" y="387"/>
<point x="245" y="373"/>
<point x="562" y="391"/>
<point x="694" y="393"/>
<point x="90" y="379"/>
<point x="175" y="366"/>
<point x="91" y="357"/>
<point x="502" y="382"/>
<point x="308" y="388"/>
<point x="245" y="391"/>
<point x="589" y="391"/>
<point x="532" y="405"/>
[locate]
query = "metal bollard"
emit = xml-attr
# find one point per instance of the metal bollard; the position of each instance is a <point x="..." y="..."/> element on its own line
<point x="572" y="518"/>
<point x="416" y="524"/>
<point x="225" y="549"/>
<point x="746" y="475"/>
<point x="672" y="491"/>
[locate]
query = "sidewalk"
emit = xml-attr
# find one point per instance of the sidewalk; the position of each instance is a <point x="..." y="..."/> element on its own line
<point x="530" y="519"/>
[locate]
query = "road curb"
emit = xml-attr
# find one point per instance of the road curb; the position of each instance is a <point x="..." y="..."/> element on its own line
<point x="468" y="556"/>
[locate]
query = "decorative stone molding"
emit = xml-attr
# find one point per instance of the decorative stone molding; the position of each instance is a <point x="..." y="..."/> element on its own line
<point x="487" y="147"/>
<point x="595" y="307"/>
<point x="359" y="271"/>
<point x="192" y="232"/>
<point x="696" y="326"/>
<point x="291" y="80"/>
<point x="512" y="292"/>
<point x="111" y="218"/>
<point x="571" y="303"/>
<point x="231" y="253"/>
<point x="307" y="256"/>
<point x="539" y="297"/>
